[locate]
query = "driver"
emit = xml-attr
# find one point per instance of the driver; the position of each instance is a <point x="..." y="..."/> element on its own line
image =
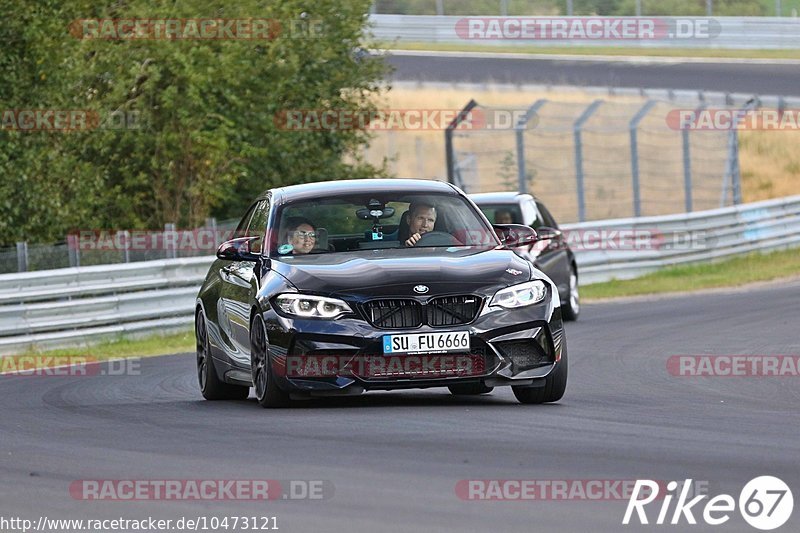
<point x="421" y="219"/>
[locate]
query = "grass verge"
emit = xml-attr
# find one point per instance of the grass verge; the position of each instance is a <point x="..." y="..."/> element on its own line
<point x="605" y="51"/>
<point x="734" y="272"/>
<point x="125" y="347"/>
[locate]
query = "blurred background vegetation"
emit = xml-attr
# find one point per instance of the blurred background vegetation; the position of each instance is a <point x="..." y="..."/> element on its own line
<point x="204" y="142"/>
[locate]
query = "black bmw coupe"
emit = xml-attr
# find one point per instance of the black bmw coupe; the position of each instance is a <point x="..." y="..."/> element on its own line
<point x="336" y="288"/>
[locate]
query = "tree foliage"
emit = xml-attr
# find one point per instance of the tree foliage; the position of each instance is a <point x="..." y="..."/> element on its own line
<point x="186" y="128"/>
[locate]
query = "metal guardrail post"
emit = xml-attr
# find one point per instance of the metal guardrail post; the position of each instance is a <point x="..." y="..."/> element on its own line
<point x="587" y="113"/>
<point x="634" y="126"/>
<point x="22" y="256"/>
<point x="448" y="139"/>
<point x="687" y="165"/>
<point x="520" y="128"/>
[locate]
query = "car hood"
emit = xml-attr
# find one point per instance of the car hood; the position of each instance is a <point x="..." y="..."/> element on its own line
<point x="397" y="272"/>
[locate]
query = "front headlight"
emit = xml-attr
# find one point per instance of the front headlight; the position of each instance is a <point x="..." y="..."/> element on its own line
<point x="520" y="295"/>
<point x="309" y="306"/>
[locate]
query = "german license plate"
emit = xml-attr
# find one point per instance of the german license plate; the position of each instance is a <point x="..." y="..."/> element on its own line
<point x="422" y="343"/>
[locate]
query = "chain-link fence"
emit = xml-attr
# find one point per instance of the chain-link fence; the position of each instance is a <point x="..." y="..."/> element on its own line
<point x="102" y="247"/>
<point x="602" y="160"/>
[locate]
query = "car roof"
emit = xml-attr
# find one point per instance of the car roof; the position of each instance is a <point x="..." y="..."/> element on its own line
<point x="502" y="197"/>
<point x="326" y="188"/>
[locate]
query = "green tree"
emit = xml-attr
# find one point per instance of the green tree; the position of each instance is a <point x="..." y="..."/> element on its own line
<point x="198" y="135"/>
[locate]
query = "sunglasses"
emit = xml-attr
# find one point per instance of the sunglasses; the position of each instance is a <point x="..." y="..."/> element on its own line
<point x="305" y="234"/>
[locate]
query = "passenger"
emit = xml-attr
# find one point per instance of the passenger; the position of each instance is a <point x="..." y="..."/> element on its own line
<point x="300" y="234"/>
<point x="503" y="216"/>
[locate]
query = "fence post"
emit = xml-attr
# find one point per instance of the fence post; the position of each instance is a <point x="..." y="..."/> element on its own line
<point x="73" y="243"/>
<point x="521" y="126"/>
<point x="634" y="125"/>
<point x="504" y="8"/>
<point x="687" y="164"/>
<point x="733" y="174"/>
<point x="126" y="246"/>
<point x="169" y="240"/>
<point x="420" y="160"/>
<point x="579" y="156"/>
<point x="22" y="256"/>
<point x="448" y="139"/>
<point x="391" y="149"/>
<point x="569" y="8"/>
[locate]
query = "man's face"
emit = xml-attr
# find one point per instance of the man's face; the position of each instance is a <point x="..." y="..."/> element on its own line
<point x="422" y="220"/>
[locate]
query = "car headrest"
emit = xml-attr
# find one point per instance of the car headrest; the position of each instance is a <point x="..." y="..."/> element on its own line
<point x="403" y="230"/>
<point x="322" y="239"/>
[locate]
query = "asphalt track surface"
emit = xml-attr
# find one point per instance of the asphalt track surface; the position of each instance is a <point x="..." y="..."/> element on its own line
<point x="395" y="458"/>
<point x="748" y="78"/>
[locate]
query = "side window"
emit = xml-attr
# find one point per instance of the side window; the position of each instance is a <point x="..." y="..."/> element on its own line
<point x="547" y="218"/>
<point x="530" y="214"/>
<point x="258" y="226"/>
<point x="241" y="229"/>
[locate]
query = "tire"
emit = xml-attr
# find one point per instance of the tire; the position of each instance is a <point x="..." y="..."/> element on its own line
<point x="572" y="307"/>
<point x="470" y="389"/>
<point x="266" y="388"/>
<point x="211" y="386"/>
<point x="554" y="387"/>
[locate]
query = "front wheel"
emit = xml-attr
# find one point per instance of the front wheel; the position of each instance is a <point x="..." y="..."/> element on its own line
<point x="211" y="386"/>
<point x="554" y="386"/>
<point x="267" y="391"/>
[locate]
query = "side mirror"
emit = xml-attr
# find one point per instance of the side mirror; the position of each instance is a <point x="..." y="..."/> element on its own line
<point x="547" y="233"/>
<point x="237" y="249"/>
<point x="515" y="235"/>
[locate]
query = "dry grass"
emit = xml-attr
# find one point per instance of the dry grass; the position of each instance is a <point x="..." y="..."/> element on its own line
<point x="770" y="161"/>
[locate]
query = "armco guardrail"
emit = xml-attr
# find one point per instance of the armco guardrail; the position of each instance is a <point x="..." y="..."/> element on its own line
<point x="734" y="33"/>
<point x="50" y="308"/>
<point x="684" y="238"/>
<point x="72" y="305"/>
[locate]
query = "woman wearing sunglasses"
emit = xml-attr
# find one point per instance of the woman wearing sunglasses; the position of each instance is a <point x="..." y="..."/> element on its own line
<point x="301" y="235"/>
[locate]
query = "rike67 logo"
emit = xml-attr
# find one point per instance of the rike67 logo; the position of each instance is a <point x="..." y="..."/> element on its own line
<point x="766" y="503"/>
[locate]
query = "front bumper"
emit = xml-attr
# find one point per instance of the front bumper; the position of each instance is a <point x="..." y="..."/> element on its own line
<point x="516" y="347"/>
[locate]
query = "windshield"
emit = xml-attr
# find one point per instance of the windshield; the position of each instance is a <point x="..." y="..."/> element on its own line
<point x="386" y="220"/>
